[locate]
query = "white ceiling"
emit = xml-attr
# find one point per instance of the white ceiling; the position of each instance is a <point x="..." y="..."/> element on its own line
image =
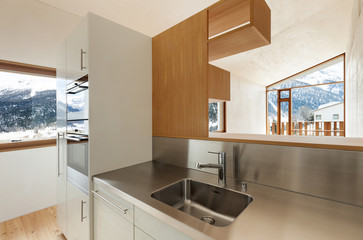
<point x="31" y="30"/>
<point x="304" y="33"/>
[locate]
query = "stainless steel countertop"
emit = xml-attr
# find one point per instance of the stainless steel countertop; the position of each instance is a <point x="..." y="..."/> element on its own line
<point x="273" y="214"/>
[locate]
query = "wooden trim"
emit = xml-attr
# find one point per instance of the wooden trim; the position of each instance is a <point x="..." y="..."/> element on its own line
<point x="305" y="86"/>
<point x="27" y="68"/>
<point x="6" y="147"/>
<point x="340" y="55"/>
<point x="345" y="123"/>
<point x="277" y="143"/>
<point x="224" y="116"/>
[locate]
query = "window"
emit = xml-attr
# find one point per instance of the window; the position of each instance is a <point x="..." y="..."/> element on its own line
<point x="217" y="117"/>
<point x="27" y="107"/>
<point x="293" y="102"/>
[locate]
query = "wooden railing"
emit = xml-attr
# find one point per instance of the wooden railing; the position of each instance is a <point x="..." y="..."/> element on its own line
<point x="309" y="128"/>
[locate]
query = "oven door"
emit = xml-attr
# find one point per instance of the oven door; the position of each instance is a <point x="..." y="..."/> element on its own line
<point x="77" y="100"/>
<point x="77" y="153"/>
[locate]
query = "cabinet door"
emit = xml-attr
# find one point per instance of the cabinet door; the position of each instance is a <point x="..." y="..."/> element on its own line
<point x="77" y="214"/>
<point x="156" y="228"/>
<point x="61" y="142"/>
<point x="62" y="183"/>
<point x="140" y="235"/>
<point x="109" y="223"/>
<point x="77" y="52"/>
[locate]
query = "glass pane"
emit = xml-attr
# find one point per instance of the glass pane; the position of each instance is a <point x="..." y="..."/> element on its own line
<point x="329" y="74"/>
<point x="272" y="112"/>
<point x="216" y="116"/>
<point x="284" y="94"/>
<point x="27" y="107"/>
<point x="284" y="124"/>
<point x="316" y="107"/>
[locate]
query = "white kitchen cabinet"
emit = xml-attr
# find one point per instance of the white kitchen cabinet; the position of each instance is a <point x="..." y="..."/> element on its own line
<point x="156" y="228"/>
<point x="140" y="235"/>
<point x="77" y="214"/>
<point x="61" y="142"/>
<point x="109" y="222"/>
<point x="118" y="64"/>
<point x="77" y="52"/>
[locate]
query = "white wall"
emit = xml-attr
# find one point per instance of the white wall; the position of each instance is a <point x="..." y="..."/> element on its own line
<point x="246" y="112"/>
<point x="28" y="181"/>
<point x="327" y="113"/>
<point x="354" y="74"/>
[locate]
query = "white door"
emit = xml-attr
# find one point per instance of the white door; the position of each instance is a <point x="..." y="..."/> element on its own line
<point x="77" y="214"/>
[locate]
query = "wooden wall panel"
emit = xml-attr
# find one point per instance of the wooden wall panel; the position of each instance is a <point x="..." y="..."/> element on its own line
<point x="219" y="81"/>
<point x="236" y="41"/>
<point x="253" y="35"/>
<point x="228" y="14"/>
<point x="180" y="91"/>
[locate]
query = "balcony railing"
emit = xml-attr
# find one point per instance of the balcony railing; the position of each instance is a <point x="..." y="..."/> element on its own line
<point x="309" y="128"/>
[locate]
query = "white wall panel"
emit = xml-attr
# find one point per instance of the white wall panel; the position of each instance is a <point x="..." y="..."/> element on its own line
<point x="28" y="181"/>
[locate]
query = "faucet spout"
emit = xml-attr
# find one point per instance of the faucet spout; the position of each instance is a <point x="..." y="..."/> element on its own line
<point x="208" y="165"/>
<point x="221" y="166"/>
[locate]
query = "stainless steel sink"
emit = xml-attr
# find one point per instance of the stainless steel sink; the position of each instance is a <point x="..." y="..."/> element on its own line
<point x="211" y="204"/>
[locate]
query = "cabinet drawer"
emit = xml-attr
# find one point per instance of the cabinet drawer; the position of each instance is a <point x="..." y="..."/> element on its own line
<point x="140" y="235"/>
<point x="115" y="202"/>
<point x="109" y="223"/>
<point x="156" y="228"/>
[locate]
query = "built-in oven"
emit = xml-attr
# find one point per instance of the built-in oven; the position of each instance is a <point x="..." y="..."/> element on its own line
<point x="77" y="99"/>
<point x="77" y="133"/>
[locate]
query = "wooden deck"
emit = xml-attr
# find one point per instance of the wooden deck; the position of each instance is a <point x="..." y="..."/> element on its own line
<point x="40" y="225"/>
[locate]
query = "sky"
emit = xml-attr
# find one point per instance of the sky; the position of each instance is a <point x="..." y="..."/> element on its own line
<point x="9" y="80"/>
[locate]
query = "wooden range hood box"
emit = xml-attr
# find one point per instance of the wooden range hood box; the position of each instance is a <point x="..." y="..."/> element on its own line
<point x="240" y="25"/>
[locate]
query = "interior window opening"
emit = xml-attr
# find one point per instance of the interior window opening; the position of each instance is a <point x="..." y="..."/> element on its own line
<point x="310" y="103"/>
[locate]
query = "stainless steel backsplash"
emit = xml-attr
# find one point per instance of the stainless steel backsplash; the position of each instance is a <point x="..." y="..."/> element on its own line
<point x="332" y="174"/>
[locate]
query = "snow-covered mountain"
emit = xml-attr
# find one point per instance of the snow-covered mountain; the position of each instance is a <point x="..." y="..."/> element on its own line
<point x="310" y="98"/>
<point x="22" y="109"/>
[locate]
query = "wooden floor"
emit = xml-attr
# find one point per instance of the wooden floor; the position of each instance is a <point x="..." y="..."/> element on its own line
<point x="40" y="225"/>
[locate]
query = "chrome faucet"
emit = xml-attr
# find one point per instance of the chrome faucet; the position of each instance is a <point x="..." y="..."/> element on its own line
<point x="221" y="166"/>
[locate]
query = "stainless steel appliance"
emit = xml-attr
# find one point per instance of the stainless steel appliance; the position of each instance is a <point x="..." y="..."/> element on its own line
<point x="77" y="133"/>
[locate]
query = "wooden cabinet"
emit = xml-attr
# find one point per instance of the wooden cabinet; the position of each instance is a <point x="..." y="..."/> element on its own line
<point x="180" y="101"/>
<point x="219" y="86"/>
<point x="237" y="26"/>
<point x="182" y="80"/>
<point x="77" y="214"/>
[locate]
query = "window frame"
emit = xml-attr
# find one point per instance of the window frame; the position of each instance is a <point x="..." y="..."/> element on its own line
<point x="224" y="114"/>
<point x="307" y="70"/>
<point x="23" y="68"/>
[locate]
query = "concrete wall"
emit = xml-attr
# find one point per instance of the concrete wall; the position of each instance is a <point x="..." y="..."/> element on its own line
<point x="246" y="112"/>
<point x="354" y="74"/>
<point x="28" y="181"/>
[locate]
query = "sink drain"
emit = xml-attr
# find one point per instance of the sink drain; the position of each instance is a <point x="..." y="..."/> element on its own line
<point x="207" y="219"/>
